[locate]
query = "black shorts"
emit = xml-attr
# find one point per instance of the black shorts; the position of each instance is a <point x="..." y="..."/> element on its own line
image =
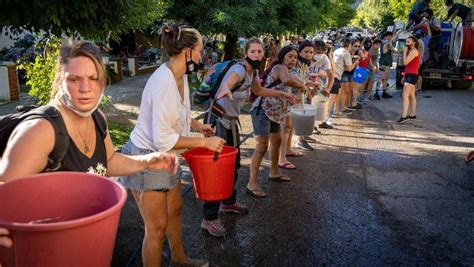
<point x="411" y="78"/>
<point x="336" y="86"/>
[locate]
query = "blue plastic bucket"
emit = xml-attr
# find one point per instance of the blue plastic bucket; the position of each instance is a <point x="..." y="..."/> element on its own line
<point x="360" y="74"/>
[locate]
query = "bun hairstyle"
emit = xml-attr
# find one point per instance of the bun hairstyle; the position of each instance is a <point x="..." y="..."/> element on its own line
<point x="174" y="38"/>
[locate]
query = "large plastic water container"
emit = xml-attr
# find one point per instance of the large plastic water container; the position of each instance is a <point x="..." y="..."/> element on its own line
<point x="60" y="219"/>
<point x="213" y="178"/>
<point x="303" y="117"/>
<point x="321" y="104"/>
<point x="360" y="74"/>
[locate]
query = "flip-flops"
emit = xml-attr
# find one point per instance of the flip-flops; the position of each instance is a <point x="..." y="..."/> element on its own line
<point x="255" y="193"/>
<point x="279" y="178"/>
<point x="287" y="166"/>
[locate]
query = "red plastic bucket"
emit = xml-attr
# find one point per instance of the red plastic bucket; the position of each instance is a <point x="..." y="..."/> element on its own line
<point x="60" y="219"/>
<point x="213" y="180"/>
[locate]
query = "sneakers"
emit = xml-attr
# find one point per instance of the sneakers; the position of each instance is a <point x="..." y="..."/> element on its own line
<point x="385" y="95"/>
<point x="324" y="125"/>
<point x="304" y="146"/>
<point x="370" y="98"/>
<point x="376" y="96"/>
<point x="346" y="111"/>
<point x="234" y="208"/>
<point x="191" y="263"/>
<point x="214" y="227"/>
<point x="403" y="119"/>
<point x="309" y="139"/>
<point x="358" y="106"/>
<point x="412" y="117"/>
<point x="350" y="109"/>
<point x="338" y="114"/>
<point x="316" y="131"/>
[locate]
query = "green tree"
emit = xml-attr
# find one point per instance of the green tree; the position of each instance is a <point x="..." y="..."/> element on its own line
<point x="94" y="19"/>
<point x="252" y="18"/>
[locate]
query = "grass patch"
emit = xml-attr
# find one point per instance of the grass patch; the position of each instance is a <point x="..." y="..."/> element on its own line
<point x="119" y="133"/>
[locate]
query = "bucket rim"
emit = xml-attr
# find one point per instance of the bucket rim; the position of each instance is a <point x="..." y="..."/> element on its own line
<point x="186" y="153"/>
<point x="25" y="227"/>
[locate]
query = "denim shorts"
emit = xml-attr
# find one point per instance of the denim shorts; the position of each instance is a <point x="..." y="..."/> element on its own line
<point x="372" y="76"/>
<point x="347" y="78"/>
<point x="336" y="86"/>
<point x="147" y="180"/>
<point x="262" y="125"/>
<point x="411" y="78"/>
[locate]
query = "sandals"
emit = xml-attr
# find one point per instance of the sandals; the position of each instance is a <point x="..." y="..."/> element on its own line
<point x="256" y="193"/>
<point x="279" y="178"/>
<point x="287" y="166"/>
<point x="295" y="154"/>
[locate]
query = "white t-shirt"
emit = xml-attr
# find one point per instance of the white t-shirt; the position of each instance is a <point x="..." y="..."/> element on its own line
<point x="232" y="107"/>
<point x="321" y="64"/>
<point x="163" y="116"/>
<point x="342" y="58"/>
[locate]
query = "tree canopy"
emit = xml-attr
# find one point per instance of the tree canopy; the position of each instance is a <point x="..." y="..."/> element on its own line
<point x="93" y="19"/>
<point x="378" y="14"/>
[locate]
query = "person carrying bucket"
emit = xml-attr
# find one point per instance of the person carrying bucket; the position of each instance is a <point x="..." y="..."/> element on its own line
<point x="268" y="113"/>
<point x="164" y="124"/>
<point x="365" y="63"/>
<point x="78" y="87"/>
<point x="322" y="69"/>
<point x="305" y="54"/>
<point x="231" y="97"/>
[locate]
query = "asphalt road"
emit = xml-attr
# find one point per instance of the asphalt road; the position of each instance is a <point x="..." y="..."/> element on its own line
<point x="372" y="193"/>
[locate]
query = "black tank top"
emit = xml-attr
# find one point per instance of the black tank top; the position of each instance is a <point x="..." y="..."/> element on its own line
<point x="74" y="160"/>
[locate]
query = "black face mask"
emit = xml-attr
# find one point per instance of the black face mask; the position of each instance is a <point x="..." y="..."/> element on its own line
<point x="367" y="47"/>
<point x="254" y="63"/>
<point x="305" y="61"/>
<point x="191" y="66"/>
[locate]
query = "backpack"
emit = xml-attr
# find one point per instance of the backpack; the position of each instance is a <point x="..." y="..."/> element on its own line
<point x="206" y="92"/>
<point x="9" y="122"/>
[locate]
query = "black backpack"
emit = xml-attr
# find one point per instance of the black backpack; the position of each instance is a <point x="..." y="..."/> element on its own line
<point x="10" y="121"/>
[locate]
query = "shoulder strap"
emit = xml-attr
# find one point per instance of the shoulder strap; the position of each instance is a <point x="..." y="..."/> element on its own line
<point x="61" y="138"/>
<point x="239" y="84"/>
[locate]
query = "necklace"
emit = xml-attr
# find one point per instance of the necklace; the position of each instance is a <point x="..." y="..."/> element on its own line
<point x="84" y="141"/>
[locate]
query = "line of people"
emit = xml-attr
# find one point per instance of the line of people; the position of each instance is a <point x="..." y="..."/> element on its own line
<point x="147" y="164"/>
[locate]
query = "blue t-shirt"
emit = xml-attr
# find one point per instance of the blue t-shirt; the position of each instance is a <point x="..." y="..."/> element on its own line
<point x="418" y="8"/>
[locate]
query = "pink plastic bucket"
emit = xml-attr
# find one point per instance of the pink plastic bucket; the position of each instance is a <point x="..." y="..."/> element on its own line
<point x="60" y="219"/>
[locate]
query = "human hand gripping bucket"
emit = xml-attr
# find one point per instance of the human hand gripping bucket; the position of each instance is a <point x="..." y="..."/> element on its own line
<point x="213" y="179"/>
<point x="60" y="219"/>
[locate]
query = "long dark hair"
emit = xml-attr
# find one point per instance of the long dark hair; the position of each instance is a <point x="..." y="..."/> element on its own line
<point x="415" y="41"/>
<point x="280" y="58"/>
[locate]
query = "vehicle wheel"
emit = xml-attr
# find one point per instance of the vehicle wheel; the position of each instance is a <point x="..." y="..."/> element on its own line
<point x="463" y="85"/>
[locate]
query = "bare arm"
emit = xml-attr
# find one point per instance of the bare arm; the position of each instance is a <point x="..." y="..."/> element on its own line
<point x="35" y="138"/>
<point x="262" y="91"/>
<point x="409" y="56"/>
<point x="288" y="79"/>
<point x="225" y="88"/>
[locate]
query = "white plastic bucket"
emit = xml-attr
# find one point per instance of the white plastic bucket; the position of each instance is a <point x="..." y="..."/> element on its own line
<point x="303" y="116"/>
<point x="322" y="105"/>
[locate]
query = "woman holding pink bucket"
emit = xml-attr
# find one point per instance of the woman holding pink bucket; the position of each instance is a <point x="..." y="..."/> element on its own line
<point x="79" y="84"/>
<point x="164" y="124"/>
